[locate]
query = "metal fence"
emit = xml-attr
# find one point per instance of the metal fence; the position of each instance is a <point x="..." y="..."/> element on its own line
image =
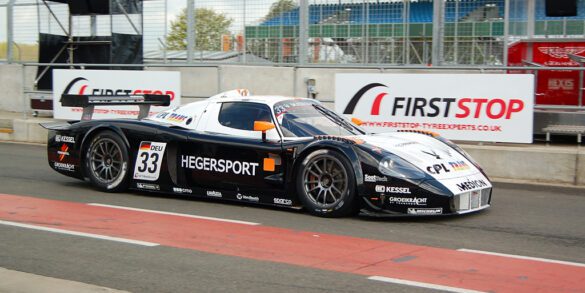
<point x="352" y="32"/>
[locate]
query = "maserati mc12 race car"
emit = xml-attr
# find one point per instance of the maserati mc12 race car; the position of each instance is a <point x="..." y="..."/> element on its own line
<point x="270" y="150"/>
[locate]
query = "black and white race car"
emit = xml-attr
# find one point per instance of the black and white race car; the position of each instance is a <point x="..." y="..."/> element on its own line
<point x="269" y="150"/>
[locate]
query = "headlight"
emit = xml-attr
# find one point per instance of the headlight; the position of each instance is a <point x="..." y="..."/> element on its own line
<point x="395" y="166"/>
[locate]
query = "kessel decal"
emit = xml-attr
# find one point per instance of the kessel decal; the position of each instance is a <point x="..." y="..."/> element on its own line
<point x="63" y="138"/>
<point x="148" y="160"/>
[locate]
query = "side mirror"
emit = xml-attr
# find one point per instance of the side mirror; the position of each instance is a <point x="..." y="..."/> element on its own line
<point x="263" y="126"/>
<point x="357" y="121"/>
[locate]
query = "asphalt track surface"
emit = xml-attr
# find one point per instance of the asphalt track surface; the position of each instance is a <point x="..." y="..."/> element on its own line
<point x="289" y="251"/>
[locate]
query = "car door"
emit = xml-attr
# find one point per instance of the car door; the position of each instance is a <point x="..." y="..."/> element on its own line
<point x="226" y="158"/>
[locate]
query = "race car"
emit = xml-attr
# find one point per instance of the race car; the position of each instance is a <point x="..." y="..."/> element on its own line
<point x="269" y="150"/>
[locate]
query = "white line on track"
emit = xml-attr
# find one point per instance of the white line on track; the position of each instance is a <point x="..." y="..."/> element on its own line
<point x="82" y="234"/>
<point x="174" y="214"/>
<point x="422" y="285"/>
<point x="524" y="257"/>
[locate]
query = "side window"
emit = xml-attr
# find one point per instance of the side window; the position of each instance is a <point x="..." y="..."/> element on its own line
<point x="241" y="115"/>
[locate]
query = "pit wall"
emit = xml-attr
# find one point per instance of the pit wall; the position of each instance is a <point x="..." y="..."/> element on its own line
<point x="204" y="81"/>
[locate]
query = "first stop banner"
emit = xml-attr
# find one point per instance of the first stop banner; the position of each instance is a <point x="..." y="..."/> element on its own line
<point x="113" y="82"/>
<point x="470" y="107"/>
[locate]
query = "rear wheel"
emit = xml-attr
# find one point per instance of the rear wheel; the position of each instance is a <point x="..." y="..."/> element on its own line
<point x="106" y="162"/>
<point x="326" y="184"/>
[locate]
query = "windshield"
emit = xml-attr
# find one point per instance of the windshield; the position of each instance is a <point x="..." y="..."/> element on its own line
<point x="303" y="118"/>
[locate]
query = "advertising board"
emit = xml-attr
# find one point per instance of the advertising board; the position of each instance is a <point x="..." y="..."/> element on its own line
<point x="470" y="107"/>
<point x="113" y="82"/>
<point x="553" y="87"/>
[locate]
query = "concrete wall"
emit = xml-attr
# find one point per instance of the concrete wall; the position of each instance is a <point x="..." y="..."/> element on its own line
<point x="580" y="172"/>
<point x="11" y="85"/>
<point x="205" y="81"/>
<point x="196" y="82"/>
<point x="539" y="164"/>
<point x="260" y="80"/>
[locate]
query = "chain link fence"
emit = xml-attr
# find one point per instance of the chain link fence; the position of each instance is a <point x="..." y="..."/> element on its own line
<point x="352" y="32"/>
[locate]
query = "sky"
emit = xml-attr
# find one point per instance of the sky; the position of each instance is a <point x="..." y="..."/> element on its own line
<point x="26" y="27"/>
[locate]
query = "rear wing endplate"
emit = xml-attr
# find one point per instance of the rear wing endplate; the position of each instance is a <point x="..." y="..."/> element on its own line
<point x="88" y="102"/>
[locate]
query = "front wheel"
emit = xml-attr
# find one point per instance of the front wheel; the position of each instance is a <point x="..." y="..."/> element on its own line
<point x="326" y="184"/>
<point x="106" y="162"/>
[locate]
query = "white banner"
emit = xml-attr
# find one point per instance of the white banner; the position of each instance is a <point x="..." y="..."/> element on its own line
<point x="472" y="107"/>
<point x="113" y="82"/>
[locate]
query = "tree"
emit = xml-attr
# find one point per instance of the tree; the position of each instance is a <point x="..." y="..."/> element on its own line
<point x="279" y="7"/>
<point x="209" y="28"/>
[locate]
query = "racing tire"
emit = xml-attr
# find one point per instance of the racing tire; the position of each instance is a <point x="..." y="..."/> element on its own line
<point x="106" y="162"/>
<point x="325" y="183"/>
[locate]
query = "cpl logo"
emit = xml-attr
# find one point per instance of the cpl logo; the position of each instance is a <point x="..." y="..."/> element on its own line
<point x="377" y="101"/>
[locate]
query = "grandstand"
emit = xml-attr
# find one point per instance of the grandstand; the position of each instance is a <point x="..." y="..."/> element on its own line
<point x="474" y="29"/>
<point x="419" y="12"/>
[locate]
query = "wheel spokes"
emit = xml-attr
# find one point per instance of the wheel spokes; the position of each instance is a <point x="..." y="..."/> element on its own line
<point x="325" y="181"/>
<point x="106" y="160"/>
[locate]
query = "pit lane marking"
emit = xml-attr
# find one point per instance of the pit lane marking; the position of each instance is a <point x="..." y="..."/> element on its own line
<point x="82" y="234"/>
<point x="523" y="257"/>
<point x="174" y="214"/>
<point x="422" y="285"/>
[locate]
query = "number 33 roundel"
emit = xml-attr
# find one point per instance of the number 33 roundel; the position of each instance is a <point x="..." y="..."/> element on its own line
<point x="148" y="161"/>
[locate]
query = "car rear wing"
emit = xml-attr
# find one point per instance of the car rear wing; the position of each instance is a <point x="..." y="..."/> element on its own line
<point x="88" y="102"/>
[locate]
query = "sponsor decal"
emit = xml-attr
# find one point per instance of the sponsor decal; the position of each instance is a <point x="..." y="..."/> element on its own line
<point x="459" y="166"/>
<point x="375" y="178"/>
<point x="269" y="164"/>
<point x="182" y="190"/>
<point x="456" y="166"/>
<point x="63" y="151"/>
<point x="392" y="189"/>
<point x="283" y="201"/>
<point x="418" y="201"/>
<point x="219" y="165"/>
<point x="432" y="153"/>
<point x="471" y="184"/>
<point x="282" y="108"/>
<point x="561" y="52"/>
<point x="419" y="211"/>
<point x="147" y="186"/>
<point x="172" y="117"/>
<point x="437" y="169"/>
<point x="405" y="144"/>
<point x="240" y="196"/>
<point x="565" y="84"/>
<point x="63" y="138"/>
<point x="213" y="193"/>
<point x="149" y="160"/>
<point x="64" y="166"/>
